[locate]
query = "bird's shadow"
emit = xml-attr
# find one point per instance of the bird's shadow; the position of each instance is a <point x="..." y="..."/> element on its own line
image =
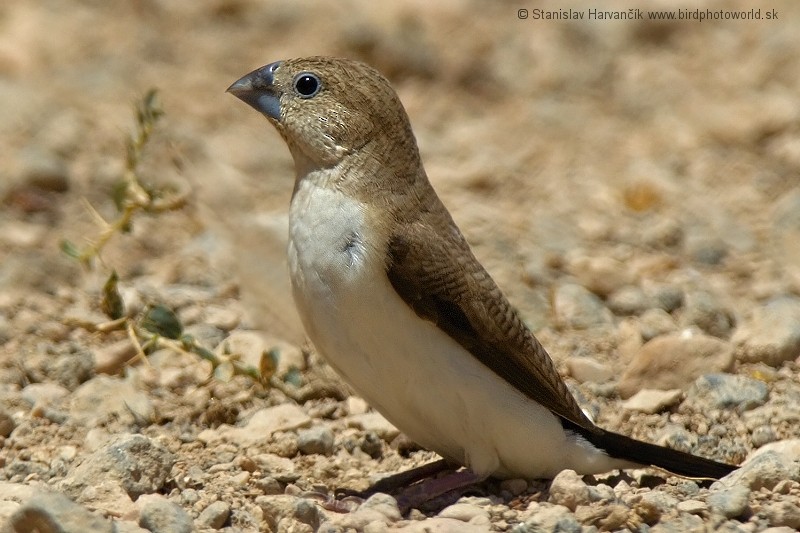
<point x="537" y="491"/>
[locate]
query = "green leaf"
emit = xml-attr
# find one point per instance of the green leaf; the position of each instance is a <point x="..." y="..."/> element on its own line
<point x="151" y="106"/>
<point x="268" y="363"/>
<point x="119" y="193"/>
<point x="112" y="304"/>
<point x="162" y="321"/>
<point x="70" y="249"/>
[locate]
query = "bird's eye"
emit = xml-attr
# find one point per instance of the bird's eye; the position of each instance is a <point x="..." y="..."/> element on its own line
<point x="307" y="84"/>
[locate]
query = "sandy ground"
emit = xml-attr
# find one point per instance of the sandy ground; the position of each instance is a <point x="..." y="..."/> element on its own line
<point x="621" y="156"/>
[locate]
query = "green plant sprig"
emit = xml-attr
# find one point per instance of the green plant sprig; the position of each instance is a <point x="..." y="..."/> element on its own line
<point x="130" y="196"/>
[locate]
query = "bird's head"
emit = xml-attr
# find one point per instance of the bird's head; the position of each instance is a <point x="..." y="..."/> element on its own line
<point x="327" y="109"/>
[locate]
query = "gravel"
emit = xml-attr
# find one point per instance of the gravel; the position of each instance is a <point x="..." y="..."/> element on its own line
<point x="643" y="218"/>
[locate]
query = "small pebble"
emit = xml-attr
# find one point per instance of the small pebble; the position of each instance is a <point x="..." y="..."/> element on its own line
<point x="215" y="515"/>
<point x="655" y="322"/>
<point x="731" y="502"/>
<point x="586" y="369"/>
<point x="138" y="464"/>
<point x="315" y="440"/>
<point x="19" y="234"/>
<point x="53" y="512"/>
<point x="727" y="391"/>
<point x="652" y="401"/>
<point x="763" y="435"/>
<point x="162" y="516"/>
<point x="602" y="275"/>
<point x="705" y="311"/>
<point x="789" y="448"/>
<point x="224" y="318"/>
<point x="379" y="507"/>
<point x="307" y="512"/>
<point x="374" y="422"/>
<point x="677" y="438"/>
<point x="665" y="232"/>
<point x="111" y="358"/>
<point x="269" y="485"/>
<point x="709" y="251"/>
<point x="465" y="512"/>
<point x="356" y="405"/>
<point x="674" y="361"/>
<point x="772" y="335"/>
<point x="67" y="453"/>
<point x="783" y="514"/>
<point x="104" y="397"/>
<point x="692" y="506"/>
<point x="7" y="423"/>
<point x="688" y="488"/>
<point x="575" y="307"/>
<point x="371" y="444"/>
<point x="654" y="504"/>
<point x="628" y="300"/>
<point x="765" y="469"/>
<point x="190" y="496"/>
<point x="601" y="493"/>
<point x="43" y="394"/>
<point x="330" y="527"/>
<point x="549" y="518"/>
<point x="261" y="425"/>
<point x="569" y="490"/>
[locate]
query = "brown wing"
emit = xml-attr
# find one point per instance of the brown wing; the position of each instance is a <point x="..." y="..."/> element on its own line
<point x="432" y="268"/>
<point x="435" y="272"/>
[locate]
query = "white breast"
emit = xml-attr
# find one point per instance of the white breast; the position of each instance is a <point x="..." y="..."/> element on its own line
<point x="409" y="370"/>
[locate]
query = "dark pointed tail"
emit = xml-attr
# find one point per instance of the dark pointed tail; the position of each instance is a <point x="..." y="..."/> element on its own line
<point x="677" y="462"/>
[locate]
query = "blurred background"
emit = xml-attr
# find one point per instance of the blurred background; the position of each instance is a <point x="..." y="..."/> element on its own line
<point x="665" y="146"/>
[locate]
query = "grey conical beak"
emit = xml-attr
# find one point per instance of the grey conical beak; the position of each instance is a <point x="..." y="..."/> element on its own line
<point x="257" y="90"/>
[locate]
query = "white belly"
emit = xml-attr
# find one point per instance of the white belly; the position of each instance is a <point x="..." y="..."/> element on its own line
<point x="414" y="374"/>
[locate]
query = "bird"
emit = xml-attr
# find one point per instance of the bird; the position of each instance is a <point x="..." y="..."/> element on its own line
<point x="391" y="294"/>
